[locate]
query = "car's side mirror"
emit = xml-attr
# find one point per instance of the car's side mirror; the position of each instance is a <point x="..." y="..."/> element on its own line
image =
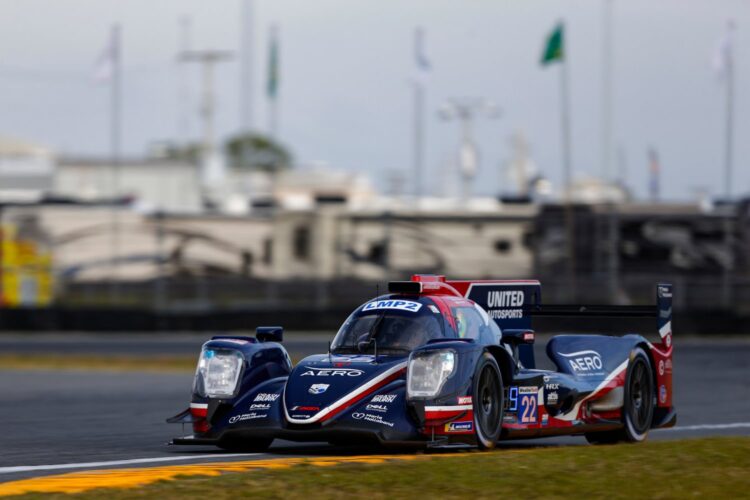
<point x="517" y="337"/>
<point x="269" y="333"/>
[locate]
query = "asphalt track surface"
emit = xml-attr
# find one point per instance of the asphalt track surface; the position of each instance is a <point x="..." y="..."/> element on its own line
<point x="53" y="421"/>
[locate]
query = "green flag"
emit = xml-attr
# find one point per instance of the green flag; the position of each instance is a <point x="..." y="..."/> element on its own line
<point x="555" y="48"/>
<point x="273" y="66"/>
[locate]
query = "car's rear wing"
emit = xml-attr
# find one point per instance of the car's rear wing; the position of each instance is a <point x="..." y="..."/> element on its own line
<point x="661" y="311"/>
<point x="513" y="303"/>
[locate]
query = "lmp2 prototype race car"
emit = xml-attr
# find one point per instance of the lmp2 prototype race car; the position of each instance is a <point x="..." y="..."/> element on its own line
<point x="439" y="364"/>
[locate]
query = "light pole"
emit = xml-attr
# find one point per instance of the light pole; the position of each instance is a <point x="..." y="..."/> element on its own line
<point x="465" y="110"/>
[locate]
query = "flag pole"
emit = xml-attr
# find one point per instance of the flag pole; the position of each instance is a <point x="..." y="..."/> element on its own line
<point x="273" y="118"/>
<point x="246" y="69"/>
<point x="419" y="106"/>
<point x="115" y="132"/>
<point x="729" y="119"/>
<point x="567" y="168"/>
<point x="728" y="160"/>
<point x="418" y="140"/>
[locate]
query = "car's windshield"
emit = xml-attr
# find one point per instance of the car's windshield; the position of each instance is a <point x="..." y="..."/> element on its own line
<point x="388" y="329"/>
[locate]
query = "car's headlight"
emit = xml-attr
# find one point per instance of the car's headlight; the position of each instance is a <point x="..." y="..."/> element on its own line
<point x="428" y="371"/>
<point x="217" y="373"/>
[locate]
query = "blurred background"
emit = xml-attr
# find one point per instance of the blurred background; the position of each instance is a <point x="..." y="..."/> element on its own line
<point x="188" y="165"/>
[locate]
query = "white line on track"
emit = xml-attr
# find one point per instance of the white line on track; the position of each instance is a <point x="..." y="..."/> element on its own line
<point x="737" y="425"/>
<point x="84" y="465"/>
<point x="135" y="461"/>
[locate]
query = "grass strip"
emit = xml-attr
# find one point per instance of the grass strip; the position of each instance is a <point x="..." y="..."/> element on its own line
<point x="708" y="468"/>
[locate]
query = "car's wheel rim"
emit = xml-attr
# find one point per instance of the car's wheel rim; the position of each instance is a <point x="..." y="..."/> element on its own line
<point x="489" y="404"/>
<point x="640" y="396"/>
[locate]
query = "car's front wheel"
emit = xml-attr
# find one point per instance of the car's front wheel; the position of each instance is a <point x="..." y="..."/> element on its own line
<point x="487" y="402"/>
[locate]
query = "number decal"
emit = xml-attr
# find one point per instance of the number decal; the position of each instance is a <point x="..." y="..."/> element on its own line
<point x="528" y="409"/>
<point x="513" y="397"/>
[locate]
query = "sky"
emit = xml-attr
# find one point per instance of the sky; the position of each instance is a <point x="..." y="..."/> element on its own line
<point x="345" y="95"/>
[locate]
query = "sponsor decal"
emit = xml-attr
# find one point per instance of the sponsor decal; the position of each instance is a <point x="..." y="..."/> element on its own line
<point x="545" y="419"/>
<point x="505" y="313"/>
<point x="318" y="388"/>
<point x="527" y="405"/>
<point x="376" y="407"/>
<point x="552" y="387"/>
<point x="331" y="372"/>
<point x="661" y="367"/>
<point x="668" y="340"/>
<point x="668" y="365"/>
<point x="264" y="396"/>
<point x="585" y="361"/>
<point x="341" y="364"/>
<point x="401" y="305"/>
<point x="459" y="426"/>
<point x="663" y="394"/>
<point x="511" y="298"/>
<point x="505" y="304"/>
<point x="375" y="419"/>
<point x="464" y="400"/>
<point x="306" y="408"/>
<point x="303" y="416"/>
<point x="665" y="292"/>
<point x="546" y="378"/>
<point x="434" y="309"/>
<point x="509" y="419"/>
<point x="246" y="416"/>
<point x="551" y="398"/>
<point x="384" y="398"/>
<point x="260" y="406"/>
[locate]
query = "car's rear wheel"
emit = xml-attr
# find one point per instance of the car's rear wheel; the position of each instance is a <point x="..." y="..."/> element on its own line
<point x="245" y="445"/>
<point x="638" y="410"/>
<point x="638" y="404"/>
<point x="488" y="402"/>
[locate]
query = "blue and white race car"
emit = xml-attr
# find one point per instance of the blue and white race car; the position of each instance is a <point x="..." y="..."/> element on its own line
<point x="437" y="363"/>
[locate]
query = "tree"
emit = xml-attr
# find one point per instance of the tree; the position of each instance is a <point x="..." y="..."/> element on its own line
<point x="257" y="152"/>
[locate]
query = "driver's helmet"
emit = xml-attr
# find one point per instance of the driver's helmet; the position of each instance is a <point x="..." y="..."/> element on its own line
<point x="394" y="333"/>
<point x="461" y="324"/>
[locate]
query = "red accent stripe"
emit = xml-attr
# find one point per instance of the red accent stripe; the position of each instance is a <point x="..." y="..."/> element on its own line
<point x="199" y="412"/>
<point x="360" y="397"/>
<point x="442" y="414"/>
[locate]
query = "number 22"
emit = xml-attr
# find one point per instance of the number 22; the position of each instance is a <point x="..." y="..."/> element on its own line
<point x="528" y="405"/>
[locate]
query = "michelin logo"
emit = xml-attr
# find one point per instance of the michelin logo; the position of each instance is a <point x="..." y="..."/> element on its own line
<point x="505" y="304"/>
<point x="401" y="305"/>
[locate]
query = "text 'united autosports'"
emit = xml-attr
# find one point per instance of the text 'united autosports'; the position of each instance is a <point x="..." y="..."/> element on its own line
<point x="440" y="364"/>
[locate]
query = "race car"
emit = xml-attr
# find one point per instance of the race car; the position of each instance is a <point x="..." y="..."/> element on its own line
<point x="439" y="364"/>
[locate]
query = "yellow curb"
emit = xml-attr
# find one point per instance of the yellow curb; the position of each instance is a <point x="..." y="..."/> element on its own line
<point x="78" y="482"/>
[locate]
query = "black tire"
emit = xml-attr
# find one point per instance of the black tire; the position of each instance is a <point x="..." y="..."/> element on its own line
<point x="640" y="398"/>
<point x="246" y="445"/>
<point x="487" y="397"/>
<point x="638" y="404"/>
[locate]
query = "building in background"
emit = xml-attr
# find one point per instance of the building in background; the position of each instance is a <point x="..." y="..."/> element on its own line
<point x="26" y="170"/>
